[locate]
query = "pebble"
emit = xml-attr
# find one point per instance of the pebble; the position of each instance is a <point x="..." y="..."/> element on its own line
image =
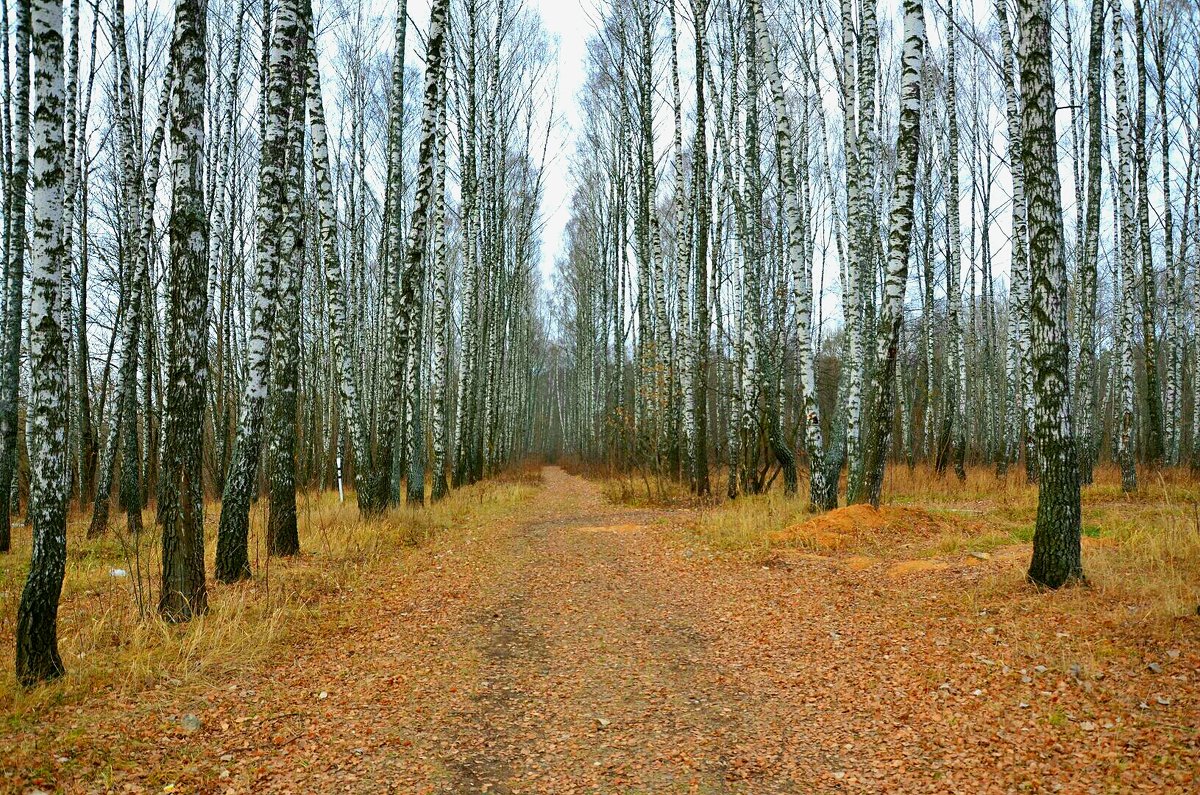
<point x="190" y="723"/>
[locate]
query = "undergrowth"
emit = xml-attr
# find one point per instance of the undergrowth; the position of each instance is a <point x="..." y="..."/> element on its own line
<point x="1143" y="548"/>
<point x="109" y="635"/>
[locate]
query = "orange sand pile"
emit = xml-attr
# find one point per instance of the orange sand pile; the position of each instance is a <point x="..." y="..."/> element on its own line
<point x="858" y="525"/>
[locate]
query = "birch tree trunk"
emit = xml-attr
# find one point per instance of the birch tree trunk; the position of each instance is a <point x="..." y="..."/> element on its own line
<point x="1018" y="372"/>
<point x="466" y="413"/>
<point x="681" y="363"/>
<point x="353" y="411"/>
<point x="122" y="432"/>
<point x="1085" y="390"/>
<point x="1128" y="225"/>
<point x="14" y="268"/>
<point x="1056" y="541"/>
<point x="891" y="317"/>
<point x="820" y="493"/>
<point x="412" y="281"/>
<point x="698" y="375"/>
<point x="283" y="537"/>
<point x="275" y="242"/>
<point x="441" y="312"/>
<point x="1149" y="300"/>
<point x="37" y="657"/>
<point x="181" y="510"/>
<point x="394" y="328"/>
<point x="953" y="442"/>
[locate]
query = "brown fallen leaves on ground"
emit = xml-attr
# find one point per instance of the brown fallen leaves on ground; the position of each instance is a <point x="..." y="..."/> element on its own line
<point x="573" y="646"/>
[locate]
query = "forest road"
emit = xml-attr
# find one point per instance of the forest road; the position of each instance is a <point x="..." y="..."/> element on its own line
<point x="566" y="650"/>
<point x="569" y="645"/>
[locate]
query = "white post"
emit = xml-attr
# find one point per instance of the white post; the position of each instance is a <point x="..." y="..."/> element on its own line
<point x="341" y="494"/>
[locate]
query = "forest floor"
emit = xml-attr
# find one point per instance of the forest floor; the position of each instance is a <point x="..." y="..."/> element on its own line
<point x="549" y="639"/>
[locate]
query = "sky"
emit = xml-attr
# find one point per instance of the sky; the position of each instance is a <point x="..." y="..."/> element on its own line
<point x="569" y="24"/>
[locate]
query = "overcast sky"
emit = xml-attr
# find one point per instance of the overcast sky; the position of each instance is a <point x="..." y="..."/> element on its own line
<point x="569" y="23"/>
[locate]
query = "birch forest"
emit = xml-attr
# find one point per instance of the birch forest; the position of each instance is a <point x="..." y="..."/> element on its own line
<point x="774" y="256"/>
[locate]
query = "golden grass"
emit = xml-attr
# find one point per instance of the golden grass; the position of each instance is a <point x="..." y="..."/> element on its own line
<point x="1141" y="548"/>
<point x="110" y="638"/>
<point x="636" y="488"/>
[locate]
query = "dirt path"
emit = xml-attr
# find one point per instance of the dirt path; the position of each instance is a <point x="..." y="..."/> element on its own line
<point x="559" y="654"/>
<point x="582" y="647"/>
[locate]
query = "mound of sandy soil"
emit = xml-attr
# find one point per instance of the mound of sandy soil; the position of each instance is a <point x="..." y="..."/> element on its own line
<point x="857" y="526"/>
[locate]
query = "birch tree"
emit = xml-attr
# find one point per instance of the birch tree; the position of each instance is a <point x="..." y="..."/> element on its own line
<point x="276" y="243"/>
<point x="891" y="317"/>
<point x="1056" y="541"/>
<point x="181" y="510"/>
<point x="14" y="266"/>
<point x="37" y="656"/>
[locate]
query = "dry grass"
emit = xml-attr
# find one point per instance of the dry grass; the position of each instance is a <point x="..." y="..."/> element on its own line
<point x="1140" y="549"/>
<point x="110" y="639"/>
<point x="636" y="488"/>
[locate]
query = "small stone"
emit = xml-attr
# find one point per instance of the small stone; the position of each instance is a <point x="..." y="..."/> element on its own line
<point x="1173" y="654"/>
<point x="839" y="775"/>
<point x="224" y="774"/>
<point x="1163" y="701"/>
<point x="687" y="553"/>
<point x="981" y="556"/>
<point x="1023" y="705"/>
<point x="990" y="630"/>
<point x="322" y="695"/>
<point x="226" y="757"/>
<point x="190" y="723"/>
<point x="977" y="692"/>
<point x="1155" y="668"/>
<point x="1026" y="679"/>
<point x="1088" y="726"/>
<point x="1041" y="669"/>
<point x="603" y="723"/>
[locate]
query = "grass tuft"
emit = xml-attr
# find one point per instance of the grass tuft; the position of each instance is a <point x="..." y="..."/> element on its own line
<point x="111" y="639"/>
